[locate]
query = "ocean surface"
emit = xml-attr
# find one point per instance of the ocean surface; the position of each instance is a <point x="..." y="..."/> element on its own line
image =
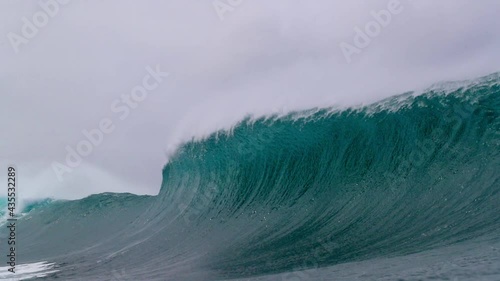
<point x="407" y="188"/>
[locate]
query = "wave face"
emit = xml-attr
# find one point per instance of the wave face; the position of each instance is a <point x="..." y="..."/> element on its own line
<point x="307" y="190"/>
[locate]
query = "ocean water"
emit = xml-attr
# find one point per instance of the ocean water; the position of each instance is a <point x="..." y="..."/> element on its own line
<point x="404" y="189"/>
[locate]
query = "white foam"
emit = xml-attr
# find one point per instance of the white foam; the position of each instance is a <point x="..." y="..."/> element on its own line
<point x="27" y="271"/>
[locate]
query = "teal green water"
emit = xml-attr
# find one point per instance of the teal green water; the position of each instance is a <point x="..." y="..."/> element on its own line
<point x="308" y="190"/>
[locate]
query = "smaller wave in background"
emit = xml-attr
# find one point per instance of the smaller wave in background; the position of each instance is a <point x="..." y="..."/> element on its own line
<point x="24" y="207"/>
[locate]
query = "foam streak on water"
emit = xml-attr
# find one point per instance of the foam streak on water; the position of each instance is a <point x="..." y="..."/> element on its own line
<point x="27" y="271"/>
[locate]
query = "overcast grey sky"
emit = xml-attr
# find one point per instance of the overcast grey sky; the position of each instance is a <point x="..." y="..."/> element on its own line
<point x="262" y="57"/>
